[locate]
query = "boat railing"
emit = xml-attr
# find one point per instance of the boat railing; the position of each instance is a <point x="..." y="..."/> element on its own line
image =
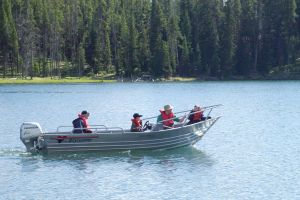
<point x="186" y="116"/>
<point x="194" y="112"/>
<point x="93" y="128"/>
<point x="202" y="110"/>
<point x="103" y="129"/>
<point x="183" y="121"/>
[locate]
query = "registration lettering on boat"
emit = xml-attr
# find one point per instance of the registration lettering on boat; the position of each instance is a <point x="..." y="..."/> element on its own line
<point x="78" y="140"/>
<point x="72" y="139"/>
<point x="30" y="127"/>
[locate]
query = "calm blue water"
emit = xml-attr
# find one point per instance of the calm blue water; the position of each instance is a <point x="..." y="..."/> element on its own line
<point x="252" y="152"/>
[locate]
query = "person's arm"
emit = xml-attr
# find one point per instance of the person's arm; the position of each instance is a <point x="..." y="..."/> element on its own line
<point x="159" y="118"/>
<point x="81" y="123"/>
<point x="176" y="119"/>
<point x="191" y="115"/>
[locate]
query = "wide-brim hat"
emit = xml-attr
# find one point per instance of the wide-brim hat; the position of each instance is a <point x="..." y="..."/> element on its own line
<point x="168" y="107"/>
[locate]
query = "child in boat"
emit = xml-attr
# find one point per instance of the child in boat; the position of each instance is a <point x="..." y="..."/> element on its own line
<point x="137" y="125"/>
<point x="196" y="115"/>
<point x="81" y="123"/>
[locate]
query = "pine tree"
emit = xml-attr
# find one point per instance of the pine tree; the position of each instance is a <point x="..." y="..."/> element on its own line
<point x="196" y="60"/>
<point x="288" y="31"/>
<point x="8" y="35"/>
<point x="184" y="54"/>
<point x="249" y="33"/>
<point x="142" y="24"/>
<point x="124" y="43"/>
<point x="297" y="38"/>
<point x="270" y="30"/>
<point x="99" y="42"/>
<point x="229" y="36"/>
<point x="166" y="67"/>
<point x="278" y="33"/>
<point x="185" y="8"/>
<point x="158" y="35"/>
<point x="209" y="17"/>
<point x="133" y="65"/>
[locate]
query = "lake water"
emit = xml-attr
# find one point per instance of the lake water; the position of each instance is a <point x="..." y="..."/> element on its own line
<point x="252" y="152"/>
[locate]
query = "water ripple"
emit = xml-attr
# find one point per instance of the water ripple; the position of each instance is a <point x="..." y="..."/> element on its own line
<point x="252" y="152"/>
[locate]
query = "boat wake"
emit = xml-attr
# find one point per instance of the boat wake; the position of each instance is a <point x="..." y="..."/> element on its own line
<point x="18" y="152"/>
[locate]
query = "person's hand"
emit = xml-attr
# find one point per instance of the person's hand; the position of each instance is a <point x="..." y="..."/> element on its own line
<point x="182" y="119"/>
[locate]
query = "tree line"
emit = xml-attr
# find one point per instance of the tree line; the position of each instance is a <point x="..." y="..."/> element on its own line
<point x="164" y="38"/>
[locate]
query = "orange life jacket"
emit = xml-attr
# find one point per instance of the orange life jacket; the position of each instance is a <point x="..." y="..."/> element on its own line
<point x="137" y="123"/>
<point x="84" y="121"/>
<point x="197" y="116"/>
<point x="164" y="116"/>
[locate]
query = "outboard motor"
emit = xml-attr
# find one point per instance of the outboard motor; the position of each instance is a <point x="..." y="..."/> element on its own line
<point x="29" y="134"/>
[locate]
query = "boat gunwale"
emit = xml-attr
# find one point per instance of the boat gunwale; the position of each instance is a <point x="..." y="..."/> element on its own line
<point x="129" y="132"/>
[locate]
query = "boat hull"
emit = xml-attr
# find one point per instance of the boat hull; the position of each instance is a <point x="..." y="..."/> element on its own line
<point x="119" y="141"/>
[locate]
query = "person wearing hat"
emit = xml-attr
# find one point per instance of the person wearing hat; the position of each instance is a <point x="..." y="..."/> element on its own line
<point x="81" y="123"/>
<point x="136" y="125"/>
<point x="167" y="117"/>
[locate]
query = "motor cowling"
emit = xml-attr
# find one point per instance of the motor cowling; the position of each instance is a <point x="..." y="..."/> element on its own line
<point x="29" y="134"/>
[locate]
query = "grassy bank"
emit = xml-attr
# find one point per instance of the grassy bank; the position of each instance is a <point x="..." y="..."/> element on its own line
<point x="38" y="80"/>
<point x="282" y="73"/>
<point x="180" y="79"/>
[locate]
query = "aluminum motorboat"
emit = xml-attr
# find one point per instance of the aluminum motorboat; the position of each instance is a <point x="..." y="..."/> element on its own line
<point x="105" y="138"/>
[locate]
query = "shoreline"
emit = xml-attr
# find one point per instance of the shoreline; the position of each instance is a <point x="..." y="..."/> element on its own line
<point x="38" y="80"/>
<point x="74" y="80"/>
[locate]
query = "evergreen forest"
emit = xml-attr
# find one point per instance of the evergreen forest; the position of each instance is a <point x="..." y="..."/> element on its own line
<point x="165" y="38"/>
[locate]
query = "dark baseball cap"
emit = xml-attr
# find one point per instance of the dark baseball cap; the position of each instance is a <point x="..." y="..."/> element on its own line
<point x="84" y="112"/>
<point x="137" y="115"/>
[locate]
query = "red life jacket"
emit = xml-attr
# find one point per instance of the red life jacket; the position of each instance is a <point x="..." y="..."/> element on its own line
<point x="197" y="116"/>
<point x="164" y="116"/>
<point x="84" y="121"/>
<point x="137" y="123"/>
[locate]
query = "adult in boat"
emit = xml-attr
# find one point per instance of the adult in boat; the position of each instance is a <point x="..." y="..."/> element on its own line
<point x="137" y="124"/>
<point x="196" y="115"/>
<point x="81" y="123"/>
<point x="167" y="117"/>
